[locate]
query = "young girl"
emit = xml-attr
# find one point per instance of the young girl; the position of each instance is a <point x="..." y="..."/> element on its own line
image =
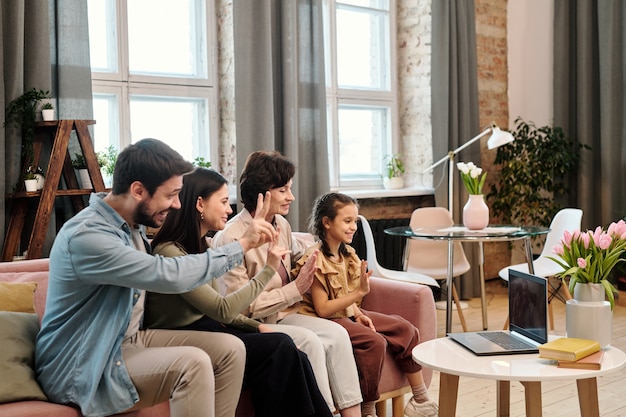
<point x="341" y="282"/>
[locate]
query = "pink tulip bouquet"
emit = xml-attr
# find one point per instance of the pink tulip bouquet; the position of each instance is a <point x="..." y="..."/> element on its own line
<point x="590" y="257"/>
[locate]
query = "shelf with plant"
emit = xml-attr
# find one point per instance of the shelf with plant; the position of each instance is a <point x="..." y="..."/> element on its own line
<point x="21" y="114"/>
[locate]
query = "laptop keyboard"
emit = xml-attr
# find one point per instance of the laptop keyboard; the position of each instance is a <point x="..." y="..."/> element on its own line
<point x="505" y="340"/>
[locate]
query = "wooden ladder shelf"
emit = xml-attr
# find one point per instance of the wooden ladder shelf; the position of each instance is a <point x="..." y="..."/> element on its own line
<point x="60" y="163"/>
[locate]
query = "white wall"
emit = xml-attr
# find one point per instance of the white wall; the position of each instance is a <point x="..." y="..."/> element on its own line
<point x="530" y="60"/>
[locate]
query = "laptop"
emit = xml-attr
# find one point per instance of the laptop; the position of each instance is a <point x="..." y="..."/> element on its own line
<point x="528" y="320"/>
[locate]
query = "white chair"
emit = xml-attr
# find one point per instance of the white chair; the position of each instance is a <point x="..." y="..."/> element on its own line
<point x="567" y="219"/>
<point x="431" y="257"/>
<point x="379" y="271"/>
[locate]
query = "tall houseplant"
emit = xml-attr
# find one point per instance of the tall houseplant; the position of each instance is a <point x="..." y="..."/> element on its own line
<point x="533" y="174"/>
<point x="21" y="114"/>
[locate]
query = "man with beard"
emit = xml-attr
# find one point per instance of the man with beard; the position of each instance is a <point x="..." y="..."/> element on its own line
<point x="91" y="351"/>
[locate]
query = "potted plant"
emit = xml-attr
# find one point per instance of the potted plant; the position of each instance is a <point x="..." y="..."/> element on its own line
<point x="394" y="170"/>
<point x="80" y="165"/>
<point x="30" y="182"/>
<point x="533" y="174"/>
<point x="588" y="260"/>
<point x="107" y="160"/>
<point x="21" y="114"/>
<point x="47" y="111"/>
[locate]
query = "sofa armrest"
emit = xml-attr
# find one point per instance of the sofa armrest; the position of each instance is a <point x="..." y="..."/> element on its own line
<point x="414" y="302"/>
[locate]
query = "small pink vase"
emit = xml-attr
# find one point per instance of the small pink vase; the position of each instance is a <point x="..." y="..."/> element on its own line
<point x="476" y="212"/>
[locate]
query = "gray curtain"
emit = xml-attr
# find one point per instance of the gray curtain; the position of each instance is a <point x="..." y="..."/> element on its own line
<point x="455" y="120"/>
<point x="589" y="102"/>
<point x="280" y="91"/>
<point x="45" y="45"/>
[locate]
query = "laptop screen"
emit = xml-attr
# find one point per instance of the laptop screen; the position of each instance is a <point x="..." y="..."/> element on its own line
<point x="528" y="305"/>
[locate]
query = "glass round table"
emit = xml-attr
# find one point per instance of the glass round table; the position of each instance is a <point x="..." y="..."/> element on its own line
<point x="491" y="233"/>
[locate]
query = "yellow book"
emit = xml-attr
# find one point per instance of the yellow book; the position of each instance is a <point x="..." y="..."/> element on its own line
<point x="568" y="348"/>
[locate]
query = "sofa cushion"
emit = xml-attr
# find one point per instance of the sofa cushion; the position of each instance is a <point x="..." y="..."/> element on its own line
<point x="17" y="356"/>
<point x="17" y="296"/>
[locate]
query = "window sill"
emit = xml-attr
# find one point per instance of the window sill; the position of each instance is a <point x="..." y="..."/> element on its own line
<point x="383" y="193"/>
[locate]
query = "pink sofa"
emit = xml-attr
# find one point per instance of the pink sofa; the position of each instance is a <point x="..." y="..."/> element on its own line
<point x="412" y="301"/>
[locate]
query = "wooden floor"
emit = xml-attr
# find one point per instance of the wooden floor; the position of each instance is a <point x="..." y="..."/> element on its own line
<point x="477" y="397"/>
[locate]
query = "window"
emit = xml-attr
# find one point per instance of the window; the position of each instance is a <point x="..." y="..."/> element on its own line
<point x="154" y="74"/>
<point x="360" y="89"/>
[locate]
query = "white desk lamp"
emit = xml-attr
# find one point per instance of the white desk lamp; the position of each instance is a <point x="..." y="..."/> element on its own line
<point x="497" y="139"/>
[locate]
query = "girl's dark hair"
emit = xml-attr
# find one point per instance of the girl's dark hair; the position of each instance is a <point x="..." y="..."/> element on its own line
<point x="150" y="162"/>
<point x="327" y="205"/>
<point x="183" y="226"/>
<point x="263" y="171"/>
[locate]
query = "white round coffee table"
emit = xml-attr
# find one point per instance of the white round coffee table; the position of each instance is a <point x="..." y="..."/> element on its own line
<point x="452" y="361"/>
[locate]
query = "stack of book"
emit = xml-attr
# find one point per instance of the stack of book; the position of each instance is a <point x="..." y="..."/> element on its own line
<point x="570" y="352"/>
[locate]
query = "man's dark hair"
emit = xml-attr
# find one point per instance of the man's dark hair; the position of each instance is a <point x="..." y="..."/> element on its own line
<point x="263" y="171"/>
<point x="150" y="162"/>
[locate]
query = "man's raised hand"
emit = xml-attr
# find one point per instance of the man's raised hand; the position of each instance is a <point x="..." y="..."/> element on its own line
<point x="260" y="230"/>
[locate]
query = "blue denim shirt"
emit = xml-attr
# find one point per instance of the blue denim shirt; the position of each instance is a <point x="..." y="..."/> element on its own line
<point x="94" y="276"/>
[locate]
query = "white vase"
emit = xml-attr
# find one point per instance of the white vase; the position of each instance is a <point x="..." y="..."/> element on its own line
<point x="30" y="185"/>
<point x="589" y="315"/>
<point x="476" y="212"/>
<point x="393" y="183"/>
<point x="47" y="114"/>
<point x="84" y="179"/>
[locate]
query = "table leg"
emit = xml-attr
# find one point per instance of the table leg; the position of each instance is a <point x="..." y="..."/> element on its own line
<point x="448" y="392"/>
<point x="532" y="397"/>
<point x="503" y="400"/>
<point x="528" y="248"/>
<point x="481" y="270"/>
<point x="588" y="397"/>
<point x="449" y="286"/>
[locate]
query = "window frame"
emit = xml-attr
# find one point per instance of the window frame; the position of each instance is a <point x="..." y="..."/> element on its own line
<point x="336" y="97"/>
<point x="123" y="84"/>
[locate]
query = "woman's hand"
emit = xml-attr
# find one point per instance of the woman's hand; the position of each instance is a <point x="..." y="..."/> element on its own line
<point x="264" y="328"/>
<point x="260" y="230"/>
<point x="307" y="273"/>
<point x="275" y="254"/>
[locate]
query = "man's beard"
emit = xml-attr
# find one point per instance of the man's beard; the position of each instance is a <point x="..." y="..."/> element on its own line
<point x="142" y="216"/>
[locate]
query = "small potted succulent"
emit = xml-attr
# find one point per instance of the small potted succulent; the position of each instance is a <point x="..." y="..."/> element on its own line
<point x="47" y="111"/>
<point x="394" y="170"/>
<point x="30" y="182"/>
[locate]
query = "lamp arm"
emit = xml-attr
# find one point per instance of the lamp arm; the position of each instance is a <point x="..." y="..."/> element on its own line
<point x="451" y="154"/>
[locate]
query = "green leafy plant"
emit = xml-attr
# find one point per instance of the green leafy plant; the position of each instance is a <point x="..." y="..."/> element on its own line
<point x="21" y="114"/>
<point x="107" y="159"/>
<point x="533" y="174"/>
<point x="79" y="161"/>
<point x="394" y="166"/>
<point x="30" y="176"/>
<point x="201" y="162"/>
<point x="47" y="106"/>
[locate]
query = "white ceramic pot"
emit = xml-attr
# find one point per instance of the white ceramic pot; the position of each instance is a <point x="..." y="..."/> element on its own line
<point x="476" y="212"/>
<point x="47" y="114"/>
<point x="393" y="183"/>
<point x="588" y="315"/>
<point x="30" y="185"/>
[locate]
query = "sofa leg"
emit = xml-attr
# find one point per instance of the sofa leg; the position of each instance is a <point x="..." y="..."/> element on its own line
<point x="381" y="409"/>
<point x="397" y="405"/>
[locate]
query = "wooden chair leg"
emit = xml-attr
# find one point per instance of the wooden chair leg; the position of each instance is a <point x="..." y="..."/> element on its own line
<point x="459" y="310"/>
